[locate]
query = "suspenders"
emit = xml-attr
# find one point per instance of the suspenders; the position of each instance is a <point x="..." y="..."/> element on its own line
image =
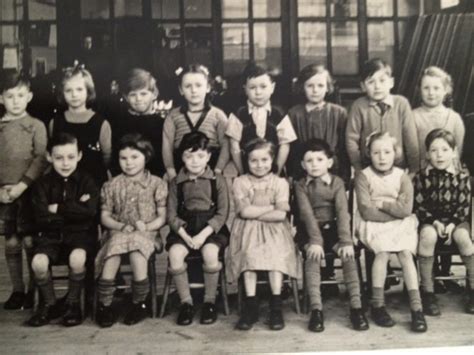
<point x="213" y="192"/>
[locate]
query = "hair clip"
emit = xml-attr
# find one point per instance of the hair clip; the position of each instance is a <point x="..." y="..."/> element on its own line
<point x="178" y="71"/>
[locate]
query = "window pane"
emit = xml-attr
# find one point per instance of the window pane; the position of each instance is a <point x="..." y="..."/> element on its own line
<point x="95" y="9"/>
<point x="344" y="8"/>
<point x="311" y="8"/>
<point x="11" y="10"/>
<point x="235" y="47"/>
<point x="127" y="8"/>
<point x="312" y="43"/>
<point x="408" y="7"/>
<point x="198" y="44"/>
<point x="42" y="10"/>
<point x="380" y="39"/>
<point x="96" y="36"/>
<point x="266" y="8"/>
<point x="43" y="43"/>
<point x="380" y="8"/>
<point x="165" y="9"/>
<point x="267" y="44"/>
<point x="233" y="9"/>
<point x="197" y="8"/>
<point x="10" y="40"/>
<point x="402" y="28"/>
<point x="345" y="48"/>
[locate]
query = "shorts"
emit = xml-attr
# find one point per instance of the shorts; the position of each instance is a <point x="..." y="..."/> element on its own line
<point x="220" y="239"/>
<point x="329" y="234"/>
<point x="17" y="217"/>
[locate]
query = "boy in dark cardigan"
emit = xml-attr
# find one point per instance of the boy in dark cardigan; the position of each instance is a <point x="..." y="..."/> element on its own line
<point x="65" y="203"/>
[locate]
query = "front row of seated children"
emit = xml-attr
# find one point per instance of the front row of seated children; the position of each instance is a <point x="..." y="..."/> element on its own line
<point x="134" y="208"/>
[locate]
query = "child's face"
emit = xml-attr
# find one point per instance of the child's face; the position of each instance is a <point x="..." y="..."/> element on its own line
<point x="316" y="163"/>
<point x="16" y="100"/>
<point x="378" y="86"/>
<point x="141" y="100"/>
<point x="196" y="162"/>
<point x="382" y="154"/>
<point x="132" y="162"/>
<point x="315" y="88"/>
<point x="260" y="162"/>
<point x="194" y="87"/>
<point x="441" y="154"/>
<point x="259" y="90"/>
<point x="433" y="91"/>
<point x="75" y="92"/>
<point x="65" y="158"/>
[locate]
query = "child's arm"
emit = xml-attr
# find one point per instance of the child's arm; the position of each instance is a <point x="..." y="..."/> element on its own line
<point x="422" y="202"/>
<point x="107" y="217"/>
<point x="343" y="217"/>
<point x="403" y="206"/>
<point x="234" y="132"/>
<point x="286" y="135"/>
<point x="353" y="132"/>
<point x="409" y="136"/>
<point x="344" y="164"/>
<point x="174" y="221"/>
<point x="85" y="208"/>
<point x="307" y="216"/>
<point x="169" y="131"/>
<point x="44" y="219"/>
<point x="242" y="202"/>
<point x="464" y="203"/>
<point x="366" y="207"/>
<point x="282" y="205"/>
<point x="105" y="140"/>
<point x="161" y="194"/>
<point x="224" y="154"/>
<point x="282" y="156"/>
<point x="236" y="155"/>
<point x="459" y="132"/>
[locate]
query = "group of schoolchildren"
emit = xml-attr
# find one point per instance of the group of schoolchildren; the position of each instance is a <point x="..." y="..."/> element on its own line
<point x="411" y="189"/>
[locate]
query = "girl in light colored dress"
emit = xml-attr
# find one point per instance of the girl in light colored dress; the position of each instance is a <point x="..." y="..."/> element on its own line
<point x="386" y="225"/>
<point x="133" y="208"/>
<point x="261" y="238"/>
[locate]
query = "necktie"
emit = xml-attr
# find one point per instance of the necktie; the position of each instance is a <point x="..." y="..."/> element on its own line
<point x="383" y="107"/>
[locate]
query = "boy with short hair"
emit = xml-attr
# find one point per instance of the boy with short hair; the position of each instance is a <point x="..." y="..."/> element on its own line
<point x="65" y="203"/>
<point x="380" y="111"/>
<point x="323" y="209"/>
<point x="22" y="147"/>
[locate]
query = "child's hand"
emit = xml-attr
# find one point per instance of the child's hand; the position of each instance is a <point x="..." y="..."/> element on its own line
<point x="379" y="204"/>
<point x="189" y="242"/>
<point x="440" y="229"/>
<point x="127" y="228"/>
<point x="170" y="174"/>
<point x="16" y="190"/>
<point x="346" y="252"/>
<point x="85" y="198"/>
<point x="448" y="231"/>
<point x="4" y="196"/>
<point x="315" y="252"/>
<point x="141" y="226"/>
<point x="53" y="208"/>
<point x="198" y="241"/>
<point x="218" y="171"/>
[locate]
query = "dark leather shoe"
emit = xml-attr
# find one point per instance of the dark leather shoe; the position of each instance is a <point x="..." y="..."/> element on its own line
<point x="470" y="303"/>
<point x="358" y="319"/>
<point x="381" y="317"/>
<point x="440" y="287"/>
<point x="138" y="313"/>
<point x="316" y="321"/>
<point x="430" y="304"/>
<point x="15" y="301"/>
<point x="73" y="315"/>
<point x="44" y="315"/>
<point x="29" y="300"/>
<point x="418" y="323"/>
<point x="275" y="320"/>
<point x="186" y="314"/>
<point x="208" y="313"/>
<point x="105" y="316"/>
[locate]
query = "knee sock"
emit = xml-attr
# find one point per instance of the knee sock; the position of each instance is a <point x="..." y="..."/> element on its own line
<point x="251" y="308"/>
<point x="415" y="300"/>
<point x="275" y="303"/>
<point x="469" y="263"/>
<point x="180" y="278"/>
<point x="351" y="279"/>
<point x="313" y="283"/>
<point x="426" y="273"/>
<point x="211" y="279"/>
<point x="15" y="268"/>
<point x="378" y="297"/>
<point x="46" y="289"/>
<point x="140" y="290"/>
<point x="76" y="283"/>
<point x="29" y="258"/>
<point x="105" y="289"/>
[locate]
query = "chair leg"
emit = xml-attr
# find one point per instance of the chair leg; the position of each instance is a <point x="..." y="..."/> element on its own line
<point x="152" y="278"/>
<point x="305" y="294"/>
<point x="294" y="286"/>
<point x="166" y="291"/>
<point x="240" y="290"/>
<point x="223" y="280"/>
<point x="369" y="260"/>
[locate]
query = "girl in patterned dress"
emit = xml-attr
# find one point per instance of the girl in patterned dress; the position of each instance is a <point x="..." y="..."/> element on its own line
<point x="387" y="225"/>
<point x="442" y="203"/>
<point x="261" y="238"/>
<point x="133" y="208"/>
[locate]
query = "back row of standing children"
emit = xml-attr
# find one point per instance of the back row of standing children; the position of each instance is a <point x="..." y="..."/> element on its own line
<point x="380" y="132"/>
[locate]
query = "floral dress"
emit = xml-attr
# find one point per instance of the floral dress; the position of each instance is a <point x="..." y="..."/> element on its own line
<point x="130" y="201"/>
<point x="257" y="245"/>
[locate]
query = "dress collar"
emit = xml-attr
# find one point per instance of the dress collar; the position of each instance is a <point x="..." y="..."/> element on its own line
<point x="450" y="169"/>
<point x="7" y="118"/>
<point x="326" y="179"/>
<point x="310" y="107"/>
<point x="183" y="175"/>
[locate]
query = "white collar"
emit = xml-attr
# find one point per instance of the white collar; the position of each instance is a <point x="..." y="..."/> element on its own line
<point x="267" y="107"/>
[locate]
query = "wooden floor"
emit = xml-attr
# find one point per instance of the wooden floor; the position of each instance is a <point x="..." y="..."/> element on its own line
<point x="453" y="328"/>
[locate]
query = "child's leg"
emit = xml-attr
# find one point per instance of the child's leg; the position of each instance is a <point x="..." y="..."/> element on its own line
<point x="426" y="247"/>
<point x="462" y="239"/>
<point x="40" y="266"/>
<point x="379" y="273"/>
<point x="105" y="286"/>
<point x="28" y="245"/>
<point x="276" y="280"/>
<point x="13" y="258"/>
<point x="313" y="283"/>
<point x="411" y="279"/>
<point x="276" y="321"/>
<point x="140" y="282"/>
<point x="250" y="282"/>
<point x="77" y="262"/>
<point x="178" y="269"/>
<point x="351" y="279"/>
<point x="211" y="267"/>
